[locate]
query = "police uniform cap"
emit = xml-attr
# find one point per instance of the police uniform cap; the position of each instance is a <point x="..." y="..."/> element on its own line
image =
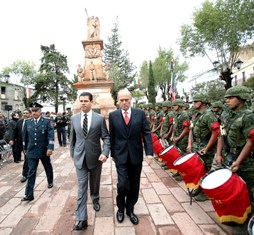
<point x="35" y="106"/>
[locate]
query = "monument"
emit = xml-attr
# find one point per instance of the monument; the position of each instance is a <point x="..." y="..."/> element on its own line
<point x="93" y="76"/>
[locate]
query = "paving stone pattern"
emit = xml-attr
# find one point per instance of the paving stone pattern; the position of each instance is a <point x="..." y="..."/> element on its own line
<point x="163" y="207"/>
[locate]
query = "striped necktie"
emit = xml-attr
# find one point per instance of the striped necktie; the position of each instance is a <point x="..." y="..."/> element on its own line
<point x="85" y="125"/>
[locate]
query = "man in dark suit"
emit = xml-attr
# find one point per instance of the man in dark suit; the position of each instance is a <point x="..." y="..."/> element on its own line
<point x="38" y="144"/>
<point x="128" y="127"/>
<point x="87" y="130"/>
<point x="18" y="139"/>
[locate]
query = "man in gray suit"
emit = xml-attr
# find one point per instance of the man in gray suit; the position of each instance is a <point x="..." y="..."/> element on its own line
<point x="87" y="130"/>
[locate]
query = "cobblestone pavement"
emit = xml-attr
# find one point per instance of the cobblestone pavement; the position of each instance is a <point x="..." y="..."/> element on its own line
<point x="163" y="207"/>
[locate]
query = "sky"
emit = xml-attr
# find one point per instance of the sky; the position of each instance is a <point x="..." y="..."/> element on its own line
<point x="144" y="26"/>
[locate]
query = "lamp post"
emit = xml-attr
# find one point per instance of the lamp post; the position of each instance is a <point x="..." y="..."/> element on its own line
<point x="226" y="72"/>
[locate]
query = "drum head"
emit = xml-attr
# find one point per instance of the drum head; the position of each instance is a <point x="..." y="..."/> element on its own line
<point x="183" y="159"/>
<point x="216" y="178"/>
<point x="250" y="226"/>
<point x="167" y="149"/>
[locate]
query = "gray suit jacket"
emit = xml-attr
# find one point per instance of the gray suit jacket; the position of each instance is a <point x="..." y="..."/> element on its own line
<point x="89" y="148"/>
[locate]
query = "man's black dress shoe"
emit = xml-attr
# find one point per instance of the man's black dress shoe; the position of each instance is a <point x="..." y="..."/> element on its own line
<point x="82" y="225"/>
<point x="23" y="179"/>
<point x="133" y="218"/>
<point x="50" y="185"/>
<point x="96" y="206"/>
<point x="120" y="216"/>
<point x="27" y="198"/>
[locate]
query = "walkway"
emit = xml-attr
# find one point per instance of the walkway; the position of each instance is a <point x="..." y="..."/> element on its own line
<point x="163" y="207"/>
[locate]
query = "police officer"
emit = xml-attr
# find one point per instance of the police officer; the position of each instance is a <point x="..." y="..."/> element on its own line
<point x="236" y="140"/>
<point x="38" y="143"/>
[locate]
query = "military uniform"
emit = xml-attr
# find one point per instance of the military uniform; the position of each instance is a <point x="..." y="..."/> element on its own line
<point x="237" y="127"/>
<point x="37" y="139"/>
<point x="181" y="121"/>
<point x="158" y="118"/>
<point x="167" y="120"/>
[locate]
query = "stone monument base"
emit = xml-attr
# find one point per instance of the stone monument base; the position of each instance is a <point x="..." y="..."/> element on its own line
<point x="103" y="102"/>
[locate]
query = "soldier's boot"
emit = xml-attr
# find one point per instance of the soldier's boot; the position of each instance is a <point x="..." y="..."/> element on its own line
<point x="201" y="197"/>
<point x="177" y="177"/>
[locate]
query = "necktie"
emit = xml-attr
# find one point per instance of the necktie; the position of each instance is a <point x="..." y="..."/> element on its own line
<point x="126" y="118"/>
<point x="85" y="125"/>
<point x="35" y="121"/>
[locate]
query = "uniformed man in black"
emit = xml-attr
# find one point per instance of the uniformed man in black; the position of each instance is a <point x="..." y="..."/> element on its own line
<point x="38" y="143"/>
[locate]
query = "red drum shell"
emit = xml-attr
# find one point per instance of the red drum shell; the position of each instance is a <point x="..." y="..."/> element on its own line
<point x="157" y="147"/>
<point x="230" y="197"/>
<point x="191" y="168"/>
<point x="154" y="138"/>
<point x="169" y="155"/>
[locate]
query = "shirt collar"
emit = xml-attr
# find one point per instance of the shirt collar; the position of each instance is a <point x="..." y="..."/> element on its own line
<point x="129" y="111"/>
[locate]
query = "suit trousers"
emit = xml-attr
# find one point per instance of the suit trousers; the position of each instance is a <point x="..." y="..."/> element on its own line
<point x="33" y="165"/>
<point x="83" y="175"/>
<point x="25" y="167"/>
<point x="128" y="185"/>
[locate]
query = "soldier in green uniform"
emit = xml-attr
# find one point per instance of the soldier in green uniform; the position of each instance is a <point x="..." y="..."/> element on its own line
<point x="152" y="115"/>
<point x="217" y="107"/>
<point x="167" y="124"/>
<point x="181" y="125"/>
<point x="159" y="119"/>
<point x="203" y="135"/>
<point x="236" y="141"/>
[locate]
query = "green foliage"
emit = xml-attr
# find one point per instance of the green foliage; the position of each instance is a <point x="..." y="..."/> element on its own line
<point x="151" y="86"/>
<point x="122" y="71"/>
<point x="214" y="89"/>
<point x="51" y="79"/>
<point x="250" y="83"/>
<point x="219" y="27"/>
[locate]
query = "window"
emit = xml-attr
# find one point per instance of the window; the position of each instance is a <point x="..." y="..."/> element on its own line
<point x="244" y="78"/>
<point x="3" y="92"/>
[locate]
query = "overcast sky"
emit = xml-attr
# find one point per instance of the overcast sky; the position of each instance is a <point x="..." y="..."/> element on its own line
<point x="143" y="27"/>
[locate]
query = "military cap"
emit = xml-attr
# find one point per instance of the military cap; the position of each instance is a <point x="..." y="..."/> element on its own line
<point x="159" y="104"/>
<point x="178" y="102"/>
<point x="217" y="104"/>
<point x="150" y="105"/>
<point x="35" y="106"/>
<point x="242" y="92"/>
<point x="166" y="104"/>
<point x="187" y="105"/>
<point x="202" y="97"/>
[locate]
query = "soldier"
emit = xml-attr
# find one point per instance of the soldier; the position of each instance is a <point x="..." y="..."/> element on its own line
<point x="167" y="128"/>
<point x="159" y="119"/>
<point x="236" y="140"/>
<point x="217" y="108"/>
<point x="181" y="125"/>
<point x="38" y="143"/>
<point x="203" y="135"/>
<point x="152" y="115"/>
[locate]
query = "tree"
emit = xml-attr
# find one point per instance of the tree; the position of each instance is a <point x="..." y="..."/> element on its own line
<point x="214" y="89"/>
<point x="162" y="71"/>
<point x="144" y="78"/>
<point x="151" y="86"/>
<point x="220" y="27"/>
<point x="250" y="83"/>
<point x="122" y="71"/>
<point x="51" y="78"/>
<point x="25" y="71"/>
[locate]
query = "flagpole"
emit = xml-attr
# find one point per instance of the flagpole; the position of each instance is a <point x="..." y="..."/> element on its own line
<point x="172" y="81"/>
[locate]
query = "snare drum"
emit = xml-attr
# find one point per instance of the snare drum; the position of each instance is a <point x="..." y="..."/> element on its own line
<point x="229" y="195"/>
<point x="191" y="168"/>
<point x="169" y="155"/>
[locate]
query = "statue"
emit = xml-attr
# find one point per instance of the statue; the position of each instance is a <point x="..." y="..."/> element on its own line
<point x="92" y="71"/>
<point x="80" y="73"/>
<point x="93" y="51"/>
<point x="93" y="26"/>
<point x="107" y="69"/>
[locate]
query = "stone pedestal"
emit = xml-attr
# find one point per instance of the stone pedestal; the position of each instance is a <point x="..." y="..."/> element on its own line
<point x="102" y="99"/>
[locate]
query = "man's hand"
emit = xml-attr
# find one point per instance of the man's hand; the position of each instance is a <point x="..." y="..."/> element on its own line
<point x="149" y="159"/>
<point x="49" y="152"/>
<point x="102" y="158"/>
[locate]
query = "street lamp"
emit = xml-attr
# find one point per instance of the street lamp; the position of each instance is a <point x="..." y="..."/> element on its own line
<point x="238" y="64"/>
<point x="6" y="78"/>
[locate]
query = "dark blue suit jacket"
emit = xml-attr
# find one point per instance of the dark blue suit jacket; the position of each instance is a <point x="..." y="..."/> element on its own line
<point x="37" y="139"/>
<point x="127" y="141"/>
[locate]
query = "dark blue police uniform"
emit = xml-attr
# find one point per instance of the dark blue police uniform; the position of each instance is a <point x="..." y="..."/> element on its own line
<point x="37" y="139"/>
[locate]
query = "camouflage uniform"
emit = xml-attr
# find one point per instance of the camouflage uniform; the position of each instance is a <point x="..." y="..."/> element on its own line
<point x="167" y="120"/>
<point x="204" y="124"/>
<point x="237" y="127"/>
<point x="181" y="121"/>
<point x="159" y="118"/>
